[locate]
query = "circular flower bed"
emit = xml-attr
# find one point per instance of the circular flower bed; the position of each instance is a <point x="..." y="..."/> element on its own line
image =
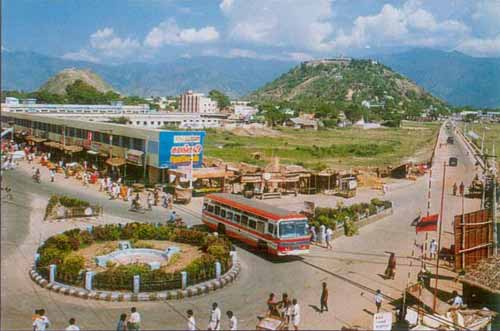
<point x="64" y="251"/>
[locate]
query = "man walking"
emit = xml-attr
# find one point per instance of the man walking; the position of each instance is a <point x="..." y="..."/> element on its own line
<point x="72" y="326"/>
<point x="233" y="322"/>
<point x="378" y="300"/>
<point x="215" y="316"/>
<point x="41" y="322"/>
<point x="52" y="175"/>
<point x="328" y="238"/>
<point x="191" y="324"/>
<point x="462" y="189"/>
<point x="324" y="297"/>
<point x="295" y="314"/>
<point x="433" y="249"/>
<point x="322" y="234"/>
<point x="134" y="321"/>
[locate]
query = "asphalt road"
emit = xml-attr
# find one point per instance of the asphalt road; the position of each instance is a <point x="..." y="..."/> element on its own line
<point x="352" y="270"/>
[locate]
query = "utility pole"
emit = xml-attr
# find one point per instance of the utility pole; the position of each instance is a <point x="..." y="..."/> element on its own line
<point x="434" y="305"/>
<point x="494" y="204"/>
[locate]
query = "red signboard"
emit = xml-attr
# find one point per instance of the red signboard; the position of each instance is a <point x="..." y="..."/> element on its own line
<point x="427" y="223"/>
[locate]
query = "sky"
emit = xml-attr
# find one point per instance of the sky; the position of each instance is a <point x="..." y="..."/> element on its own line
<point x="120" y="31"/>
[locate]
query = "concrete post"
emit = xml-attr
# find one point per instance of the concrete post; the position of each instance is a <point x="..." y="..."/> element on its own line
<point x="184" y="278"/>
<point x="218" y="270"/>
<point x="37" y="258"/>
<point x="137" y="284"/>
<point x="89" y="276"/>
<point x="234" y="257"/>
<point x="90" y="228"/>
<point x="52" y="273"/>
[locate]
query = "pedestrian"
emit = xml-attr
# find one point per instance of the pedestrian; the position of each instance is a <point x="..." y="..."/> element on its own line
<point x="272" y="308"/>
<point x="433" y="249"/>
<point x="295" y="314"/>
<point x="191" y="322"/>
<point x="233" y="322"/>
<point x="134" y="321"/>
<point x="455" y="189"/>
<point x="324" y="297"/>
<point x="41" y="322"/>
<point x="116" y="191"/>
<point x="85" y="178"/>
<point x="129" y="193"/>
<point x="462" y="189"/>
<point x="384" y="189"/>
<point x="328" y="238"/>
<point x="215" y="316"/>
<point x="102" y="184"/>
<point x="52" y="174"/>
<point x="122" y="323"/>
<point x="156" y="195"/>
<point x="322" y="230"/>
<point x="378" y="300"/>
<point x="150" y="201"/>
<point x="313" y="234"/>
<point x="457" y="300"/>
<point x="72" y="326"/>
<point x="165" y="201"/>
<point x="48" y="156"/>
<point x="390" y="271"/>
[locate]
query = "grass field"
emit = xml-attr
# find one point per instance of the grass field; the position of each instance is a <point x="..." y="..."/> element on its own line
<point x="491" y="136"/>
<point x="338" y="148"/>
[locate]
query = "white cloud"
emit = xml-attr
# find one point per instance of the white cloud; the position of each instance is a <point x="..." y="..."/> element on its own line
<point x="298" y="23"/>
<point x="169" y="33"/>
<point x="481" y="47"/>
<point x="81" y="55"/>
<point x="106" y="41"/>
<point x="486" y="16"/>
<point x="408" y="25"/>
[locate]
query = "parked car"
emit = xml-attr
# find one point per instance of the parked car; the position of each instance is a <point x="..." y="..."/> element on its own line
<point x="453" y="162"/>
<point x="450" y="140"/>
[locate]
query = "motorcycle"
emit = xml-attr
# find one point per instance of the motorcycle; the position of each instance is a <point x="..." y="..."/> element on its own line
<point x="136" y="207"/>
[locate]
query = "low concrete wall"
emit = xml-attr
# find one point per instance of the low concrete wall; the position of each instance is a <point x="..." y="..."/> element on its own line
<point x="369" y="220"/>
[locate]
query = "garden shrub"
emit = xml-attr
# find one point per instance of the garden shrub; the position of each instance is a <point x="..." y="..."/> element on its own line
<point x="350" y="228"/>
<point x="72" y="264"/>
<point x="106" y="233"/>
<point x="59" y="241"/>
<point x="51" y="255"/>
<point x="64" y="201"/>
<point x="142" y="244"/>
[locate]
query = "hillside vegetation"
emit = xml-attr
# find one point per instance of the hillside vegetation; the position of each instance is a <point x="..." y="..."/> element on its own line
<point x="58" y="83"/>
<point x="346" y="82"/>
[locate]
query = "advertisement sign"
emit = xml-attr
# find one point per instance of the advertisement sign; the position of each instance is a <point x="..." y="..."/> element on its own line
<point x="382" y="321"/>
<point x="180" y="148"/>
<point x="134" y="157"/>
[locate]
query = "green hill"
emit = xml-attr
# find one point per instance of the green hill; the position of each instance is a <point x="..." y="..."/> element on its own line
<point x="346" y="81"/>
<point x="58" y="83"/>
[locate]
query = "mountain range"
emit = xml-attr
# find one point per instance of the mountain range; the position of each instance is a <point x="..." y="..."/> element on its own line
<point x="454" y="77"/>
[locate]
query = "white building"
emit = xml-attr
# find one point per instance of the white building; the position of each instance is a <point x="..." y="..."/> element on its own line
<point x="191" y="102"/>
<point x="30" y="105"/>
<point x="245" y="111"/>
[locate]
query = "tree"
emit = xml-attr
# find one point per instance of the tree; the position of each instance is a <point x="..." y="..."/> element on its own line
<point x="353" y="113"/>
<point x="222" y="99"/>
<point x="82" y="93"/>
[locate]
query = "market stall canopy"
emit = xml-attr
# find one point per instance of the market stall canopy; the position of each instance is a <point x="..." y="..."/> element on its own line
<point x="36" y="139"/>
<point x="200" y="173"/>
<point x="54" y="144"/>
<point x="115" y="161"/>
<point x="73" y="148"/>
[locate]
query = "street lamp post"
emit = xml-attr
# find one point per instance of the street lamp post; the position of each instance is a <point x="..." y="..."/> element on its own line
<point x="440" y="224"/>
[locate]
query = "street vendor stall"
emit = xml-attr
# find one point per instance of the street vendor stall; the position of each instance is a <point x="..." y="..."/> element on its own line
<point x="204" y="180"/>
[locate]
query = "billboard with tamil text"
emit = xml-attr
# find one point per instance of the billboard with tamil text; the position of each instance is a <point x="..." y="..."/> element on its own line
<point x="178" y="148"/>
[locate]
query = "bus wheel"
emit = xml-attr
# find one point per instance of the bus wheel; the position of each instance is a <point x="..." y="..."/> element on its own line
<point x="262" y="246"/>
<point x="221" y="229"/>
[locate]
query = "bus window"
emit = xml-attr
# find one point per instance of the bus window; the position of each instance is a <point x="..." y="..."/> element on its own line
<point x="217" y="210"/>
<point x="252" y="224"/>
<point x="210" y="208"/>
<point x="222" y="213"/>
<point x="261" y="226"/>
<point x="244" y="220"/>
<point x="237" y="218"/>
<point x="205" y="205"/>
<point x="229" y="215"/>
<point x="293" y="229"/>
<point x="270" y="228"/>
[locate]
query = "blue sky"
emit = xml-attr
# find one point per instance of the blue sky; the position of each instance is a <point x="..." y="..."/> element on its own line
<point x="117" y="31"/>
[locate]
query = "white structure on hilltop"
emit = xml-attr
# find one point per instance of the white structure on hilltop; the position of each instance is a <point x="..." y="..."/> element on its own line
<point x="191" y="102"/>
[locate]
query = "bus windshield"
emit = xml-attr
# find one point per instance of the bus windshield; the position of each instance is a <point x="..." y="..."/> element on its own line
<point x="291" y="229"/>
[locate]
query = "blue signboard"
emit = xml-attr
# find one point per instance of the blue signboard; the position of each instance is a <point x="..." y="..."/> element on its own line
<point x="178" y="148"/>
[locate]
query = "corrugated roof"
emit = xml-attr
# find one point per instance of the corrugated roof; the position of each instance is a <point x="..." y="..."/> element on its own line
<point x="253" y="206"/>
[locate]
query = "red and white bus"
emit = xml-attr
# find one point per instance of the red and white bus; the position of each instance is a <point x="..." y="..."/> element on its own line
<point x="272" y="229"/>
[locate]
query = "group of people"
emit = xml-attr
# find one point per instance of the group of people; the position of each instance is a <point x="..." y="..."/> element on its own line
<point x="42" y="323"/>
<point x="214" y="322"/>
<point x="288" y="310"/>
<point x="461" y="189"/>
<point x="323" y="237"/>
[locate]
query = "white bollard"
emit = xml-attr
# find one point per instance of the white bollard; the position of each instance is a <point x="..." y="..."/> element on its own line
<point x="234" y="257"/>
<point x="52" y="274"/>
<point x="137" y="284"/>
<point x="218" y="270"/>
<point x="184" y="279"/>
<point x="89" y="276"/>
